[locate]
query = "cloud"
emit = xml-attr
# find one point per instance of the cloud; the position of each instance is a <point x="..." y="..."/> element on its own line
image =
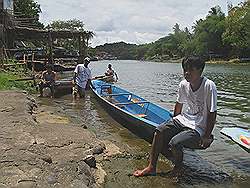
<point x="139" y="21"/>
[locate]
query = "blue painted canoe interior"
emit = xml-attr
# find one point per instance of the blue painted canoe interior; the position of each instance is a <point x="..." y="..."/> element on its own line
<point x="131" y="103"/>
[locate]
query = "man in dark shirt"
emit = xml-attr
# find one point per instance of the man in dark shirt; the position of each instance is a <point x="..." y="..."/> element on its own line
<point x="48" y="80"/>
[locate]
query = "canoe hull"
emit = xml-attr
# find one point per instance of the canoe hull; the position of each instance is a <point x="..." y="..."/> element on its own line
<point x="134" y="125"/>
<point x="63" y="86"/>
<point x="139" y="126"/>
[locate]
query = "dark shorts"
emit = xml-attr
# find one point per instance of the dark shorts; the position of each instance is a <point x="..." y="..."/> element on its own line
<point x="177" y="135"/>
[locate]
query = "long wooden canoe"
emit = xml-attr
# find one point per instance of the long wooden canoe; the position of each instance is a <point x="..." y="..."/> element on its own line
<point x="63" y="86"/>
<point x="135" y="113"/>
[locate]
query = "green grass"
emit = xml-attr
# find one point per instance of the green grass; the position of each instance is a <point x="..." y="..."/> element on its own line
<point x="6" y="82"/>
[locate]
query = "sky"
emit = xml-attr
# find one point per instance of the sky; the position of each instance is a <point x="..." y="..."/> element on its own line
<point x="131" y="21"/>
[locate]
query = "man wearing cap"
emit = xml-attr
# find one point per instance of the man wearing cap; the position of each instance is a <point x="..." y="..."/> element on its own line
<point x="82" y="75"/>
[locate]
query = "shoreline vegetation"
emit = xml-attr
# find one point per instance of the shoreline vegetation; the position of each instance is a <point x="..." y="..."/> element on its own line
<point x="235" y="61"/>
<point x="8" y="77"/>
<point x="215" y="36"/>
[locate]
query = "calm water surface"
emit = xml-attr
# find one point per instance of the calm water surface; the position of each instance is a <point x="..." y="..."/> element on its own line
<point x="224" y="164"/>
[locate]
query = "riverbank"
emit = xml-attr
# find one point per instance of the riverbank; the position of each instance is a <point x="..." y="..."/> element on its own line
<point x="40" y="147"/>
<point x="245" y="61"/>
<point x="231" y="62"/>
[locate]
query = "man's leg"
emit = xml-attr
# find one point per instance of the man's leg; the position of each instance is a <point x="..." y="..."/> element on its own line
<point x="52" y="89"/>
<point x="74" y="92"/>
<point x="187" y="138"/>
<point x="41" y="86"/>
<point x="81" y="92"/>
<point x="157" y="146"/>
<point x="162" y="136"/>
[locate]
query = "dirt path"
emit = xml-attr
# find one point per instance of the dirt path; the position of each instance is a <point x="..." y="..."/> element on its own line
<point x="42" y="148"/>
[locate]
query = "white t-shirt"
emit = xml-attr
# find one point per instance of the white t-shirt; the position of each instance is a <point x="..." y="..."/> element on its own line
<point x="197" y="104"/>
<point x="83" y="75"/>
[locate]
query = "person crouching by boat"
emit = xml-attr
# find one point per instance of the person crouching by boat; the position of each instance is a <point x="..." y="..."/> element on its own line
<point x="193" y="120"/>
<point x="48" y="80"/>
<point x="82" y="76"/>
<point x="111" y="73"/>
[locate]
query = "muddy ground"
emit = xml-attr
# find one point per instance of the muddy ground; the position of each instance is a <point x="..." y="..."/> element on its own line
<point x="42" y="148"/>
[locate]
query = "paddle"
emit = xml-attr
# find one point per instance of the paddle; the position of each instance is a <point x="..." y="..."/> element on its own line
<point x="102" y="77"/>
<point x="97" y="77"/>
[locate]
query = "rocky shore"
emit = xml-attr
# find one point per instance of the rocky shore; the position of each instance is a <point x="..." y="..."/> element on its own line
<point x="42" y="148"/>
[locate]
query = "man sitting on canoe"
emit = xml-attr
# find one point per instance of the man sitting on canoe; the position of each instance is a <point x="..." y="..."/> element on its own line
<point x="82" y="76"/>
<point x="193" y="121"/>
<point x="111" y="73"/>
<point x="48" y="80"/>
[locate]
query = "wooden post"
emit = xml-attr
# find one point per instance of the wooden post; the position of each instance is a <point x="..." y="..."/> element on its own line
<point x="80" y="59"/>
<point x="24" y="58"/>
<point x="1" y="57"/>
<point x="50" y="58"/>
<point x="84" y="46"/>
<point x="25" y="62"/>
<point x="5" y="54"/>
<point x="33" y="63"/>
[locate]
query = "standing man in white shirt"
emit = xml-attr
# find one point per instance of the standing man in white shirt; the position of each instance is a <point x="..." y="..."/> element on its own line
<point x="82" y="76"/>
<point x="194" y="118"/>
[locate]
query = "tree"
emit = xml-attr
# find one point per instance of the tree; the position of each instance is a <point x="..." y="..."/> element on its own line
<point x="208" y="33"/>
<point x="176" y="28"/>
<point x="72" y="25"/>
<point x="28" y="9"/>
<point x="237" y="32"/>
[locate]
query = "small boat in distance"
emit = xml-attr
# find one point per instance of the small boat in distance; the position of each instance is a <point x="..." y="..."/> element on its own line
<point x="135" y="113"/>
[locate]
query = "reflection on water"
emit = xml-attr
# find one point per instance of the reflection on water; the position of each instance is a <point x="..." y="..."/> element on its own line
<point x="158" y="82"/>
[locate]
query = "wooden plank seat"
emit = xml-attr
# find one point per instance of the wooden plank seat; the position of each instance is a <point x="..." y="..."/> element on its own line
<point x="105" y="86"/>
<point x="140" y="115"/>
<point x="114" y="101"/>
<point x="128" y="103"/>
<point x="117" y="94"/>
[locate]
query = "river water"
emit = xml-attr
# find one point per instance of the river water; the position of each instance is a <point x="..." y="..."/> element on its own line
<point x="224" y="164"/>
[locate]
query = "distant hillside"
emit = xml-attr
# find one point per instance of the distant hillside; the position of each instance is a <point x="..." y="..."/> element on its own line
<point x="215" y="37"/>
<point x="119" y="50"/>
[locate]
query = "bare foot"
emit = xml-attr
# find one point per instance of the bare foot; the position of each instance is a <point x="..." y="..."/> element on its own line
<point x="145" y="172"/>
